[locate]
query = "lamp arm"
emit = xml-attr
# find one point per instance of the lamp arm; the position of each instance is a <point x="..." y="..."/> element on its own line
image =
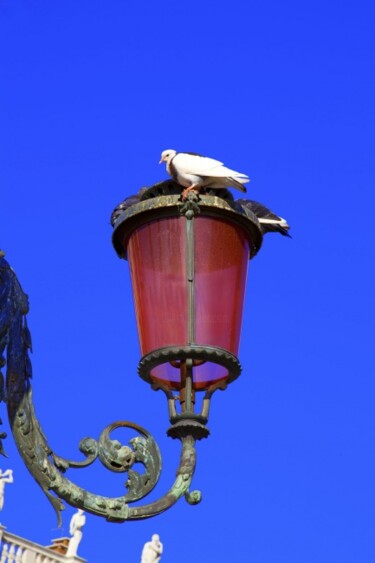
<point x="46" y="467"/>
<point x="180" y="487"/>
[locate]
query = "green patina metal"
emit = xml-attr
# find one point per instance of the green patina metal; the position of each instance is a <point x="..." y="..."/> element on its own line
<point x="48" y="468"/>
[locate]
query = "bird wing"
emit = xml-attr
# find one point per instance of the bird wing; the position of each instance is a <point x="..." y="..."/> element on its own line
<point x="128" y="202"/>
<point x="260" y="210"/>
<point x="194" y="164"/>
<point x="269" y="221"/>
<point x="188" y="163"/>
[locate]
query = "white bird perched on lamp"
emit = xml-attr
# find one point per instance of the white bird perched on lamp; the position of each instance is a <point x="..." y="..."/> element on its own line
<point x="193" y="172"/>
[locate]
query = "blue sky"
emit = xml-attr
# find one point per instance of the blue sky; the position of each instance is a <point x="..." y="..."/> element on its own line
<point x="91" y="93"/>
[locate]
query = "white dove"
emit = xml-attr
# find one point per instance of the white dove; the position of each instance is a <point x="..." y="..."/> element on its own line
<point x="194" y="172"/>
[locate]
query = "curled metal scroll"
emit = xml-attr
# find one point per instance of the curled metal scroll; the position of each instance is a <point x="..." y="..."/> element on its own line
<point x="48" y="468"/>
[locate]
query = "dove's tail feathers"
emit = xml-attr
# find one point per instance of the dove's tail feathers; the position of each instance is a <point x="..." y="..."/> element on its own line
<point x="238" y="183"/>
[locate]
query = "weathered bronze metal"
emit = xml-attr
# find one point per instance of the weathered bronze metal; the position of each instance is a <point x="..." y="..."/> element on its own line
<point x="48" y="468"/>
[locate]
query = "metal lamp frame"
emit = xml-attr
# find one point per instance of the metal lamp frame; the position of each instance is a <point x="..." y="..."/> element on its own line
<point x="48" y="468"/>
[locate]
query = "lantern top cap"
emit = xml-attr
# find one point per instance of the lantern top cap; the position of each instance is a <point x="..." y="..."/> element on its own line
<point x="164" y="200"/>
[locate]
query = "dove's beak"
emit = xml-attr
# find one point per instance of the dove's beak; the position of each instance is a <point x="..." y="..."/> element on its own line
<point x="161" y="160"/>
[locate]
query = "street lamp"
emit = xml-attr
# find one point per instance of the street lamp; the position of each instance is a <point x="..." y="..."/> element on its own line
<point x="188" y="262"/>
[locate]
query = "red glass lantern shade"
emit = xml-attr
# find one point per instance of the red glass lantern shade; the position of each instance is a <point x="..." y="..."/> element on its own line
<point x="156" y="254"/>
<point x="222" y="252"/>
<point x="189" y="276"/>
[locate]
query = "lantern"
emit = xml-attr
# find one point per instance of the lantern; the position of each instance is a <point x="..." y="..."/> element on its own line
<point x="188" y="265"/>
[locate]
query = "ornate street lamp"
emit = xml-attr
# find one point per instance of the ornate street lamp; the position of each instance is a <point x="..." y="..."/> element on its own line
<point x="188" y="262"/>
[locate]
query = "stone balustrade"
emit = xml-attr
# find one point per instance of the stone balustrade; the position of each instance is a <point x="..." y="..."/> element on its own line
<point x="14" y="549"/>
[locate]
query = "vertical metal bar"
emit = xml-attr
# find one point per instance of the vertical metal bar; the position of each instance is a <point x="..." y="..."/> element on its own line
<point x="190" y="278"/>
<point x="183" y="385"/>
<point x="189" y="386"/>
<point x="190" y="310"/>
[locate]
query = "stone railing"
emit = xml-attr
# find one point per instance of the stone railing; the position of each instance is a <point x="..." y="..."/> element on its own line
<point x="14" y="549"/>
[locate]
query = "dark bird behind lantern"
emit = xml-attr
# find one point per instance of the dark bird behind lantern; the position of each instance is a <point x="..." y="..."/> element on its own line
<point x="124" y="205"/>
<point x="194" y="172"/>
<point x="269" y="221"/>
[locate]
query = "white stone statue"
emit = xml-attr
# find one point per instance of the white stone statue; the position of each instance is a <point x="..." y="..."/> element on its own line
<point x="6" y="477"/>
<point x="152" y="550"/>
<point x="76" y="524"/>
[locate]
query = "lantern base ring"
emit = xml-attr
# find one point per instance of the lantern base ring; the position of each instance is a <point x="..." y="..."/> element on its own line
<point x="193" y="352"/>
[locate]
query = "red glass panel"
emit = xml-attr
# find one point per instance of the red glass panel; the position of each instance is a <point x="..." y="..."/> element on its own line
<point x="157" y="257"/>
<point x="221" y="260"/>
<point x="156" y="254"/>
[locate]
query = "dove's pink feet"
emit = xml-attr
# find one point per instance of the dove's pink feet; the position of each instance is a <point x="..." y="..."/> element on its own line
<point x="185" y="192"/>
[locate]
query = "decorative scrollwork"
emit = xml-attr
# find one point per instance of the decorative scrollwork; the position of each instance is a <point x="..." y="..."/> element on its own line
<point x="47" y="467"/>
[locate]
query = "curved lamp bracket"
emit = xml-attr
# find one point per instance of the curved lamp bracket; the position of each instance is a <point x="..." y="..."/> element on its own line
<point x="48" y="468"/>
